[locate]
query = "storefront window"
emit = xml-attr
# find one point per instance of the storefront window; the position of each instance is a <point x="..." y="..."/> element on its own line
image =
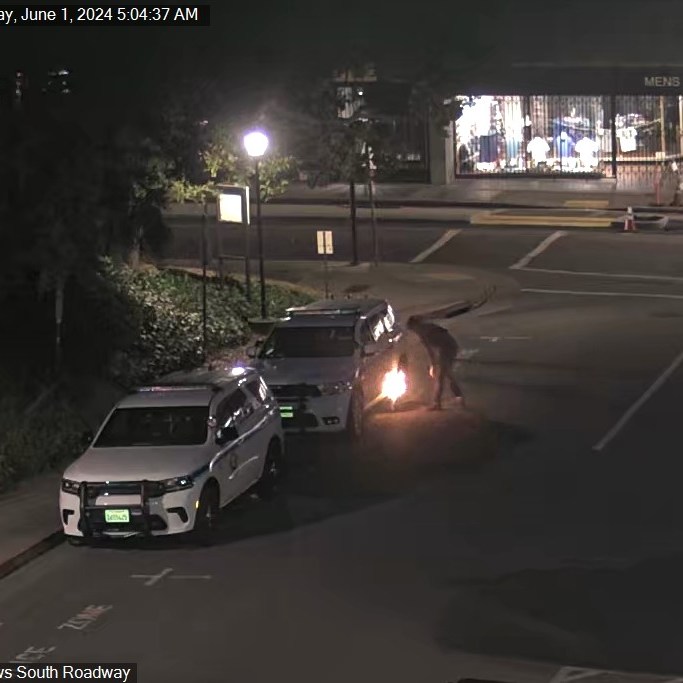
<point x="648" y="127"/>
<point x="539" y="134"/>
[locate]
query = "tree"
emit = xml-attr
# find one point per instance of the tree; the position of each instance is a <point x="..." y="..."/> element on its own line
<point x="137" y="182"/>
<point x="70" y="195"/>
<point x="52" y="213"/>
<point x="222" y="160"/>
<point x="340" y="139"/>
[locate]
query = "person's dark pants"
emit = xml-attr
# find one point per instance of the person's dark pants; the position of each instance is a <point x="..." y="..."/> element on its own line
<point x="445" y="372"/>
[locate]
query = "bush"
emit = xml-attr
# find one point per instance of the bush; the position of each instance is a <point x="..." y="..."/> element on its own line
<point x="165" y="311"/>
<point x="45" y="439"/>
<point x="137" y="326"/>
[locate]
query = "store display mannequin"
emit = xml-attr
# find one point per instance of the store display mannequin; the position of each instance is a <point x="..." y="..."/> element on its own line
<point x="587" y="150"/>
<point x="538" y="148"/>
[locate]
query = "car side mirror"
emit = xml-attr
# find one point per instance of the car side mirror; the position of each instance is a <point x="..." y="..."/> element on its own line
<point x="226" y="434"/>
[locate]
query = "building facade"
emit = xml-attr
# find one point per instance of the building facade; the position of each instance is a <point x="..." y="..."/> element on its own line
<point x="622" y="122"/>
<point x="388" y="103"/>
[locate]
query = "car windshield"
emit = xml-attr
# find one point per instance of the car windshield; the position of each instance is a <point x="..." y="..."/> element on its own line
<point x="166" y="426"/>
<point x="309" y="342"/>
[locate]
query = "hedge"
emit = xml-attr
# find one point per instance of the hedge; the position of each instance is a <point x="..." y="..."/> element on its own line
<point x="44" y="439"/>
<point x="165" y="312"/>
<point x="133" y="326"/>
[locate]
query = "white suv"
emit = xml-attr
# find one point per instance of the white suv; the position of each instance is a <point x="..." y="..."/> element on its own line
<point x="325" y="363"/>
<point x="169" y="456"/>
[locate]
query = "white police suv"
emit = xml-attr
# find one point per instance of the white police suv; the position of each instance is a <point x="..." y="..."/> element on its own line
<point x="169" y="456"/>
<point x="325" y="362"/>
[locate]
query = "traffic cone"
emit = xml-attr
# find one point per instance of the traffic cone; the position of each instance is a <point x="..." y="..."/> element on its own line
<point x="629" y="221"/>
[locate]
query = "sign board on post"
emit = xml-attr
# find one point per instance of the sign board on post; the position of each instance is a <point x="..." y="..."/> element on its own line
<point x="325" y="247"/>
<point x="233" y="204"/>
<point x="233" y="207"/>
<point x="325" y="244"/>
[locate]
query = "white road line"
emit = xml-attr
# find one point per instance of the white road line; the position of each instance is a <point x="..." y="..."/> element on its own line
<point x="624" y="294"/>
<point x="526" y="260"/>
<point x="639" y="403"/>
<point x="570" y="673"/>
<point x="151" y="578"/>
<point x="660" y="278"/>
<point x="441" y="242"/>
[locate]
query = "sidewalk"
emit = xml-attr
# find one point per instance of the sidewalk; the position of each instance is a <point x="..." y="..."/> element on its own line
<point x="29" y="514"/>
<point x="29" y="521"/>
<point x="483" y="215"/>
<point x="599" y="193"/>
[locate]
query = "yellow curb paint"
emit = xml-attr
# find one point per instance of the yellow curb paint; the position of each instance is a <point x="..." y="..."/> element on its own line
<point x="587" y="203"/>
<point x="573" y="222"/>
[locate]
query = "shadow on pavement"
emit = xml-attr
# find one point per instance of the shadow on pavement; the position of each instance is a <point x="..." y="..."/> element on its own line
<point x="582" y="617"/>
<point x="328" y="477"/>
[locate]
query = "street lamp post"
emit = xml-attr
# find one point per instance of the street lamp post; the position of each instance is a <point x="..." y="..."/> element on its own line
<point x="256" y="144"/>
<point x="204" y="265"/>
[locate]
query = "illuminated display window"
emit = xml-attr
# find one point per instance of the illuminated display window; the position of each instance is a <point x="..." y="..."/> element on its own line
<point x="565" y="134"/>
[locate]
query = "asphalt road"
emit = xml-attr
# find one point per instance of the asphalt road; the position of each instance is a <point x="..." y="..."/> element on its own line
<point x="451" y="545"/>
<point x="286" y="239"/>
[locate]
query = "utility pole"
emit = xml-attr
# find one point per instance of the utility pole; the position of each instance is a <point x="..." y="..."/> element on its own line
<point x="354" y="228"/>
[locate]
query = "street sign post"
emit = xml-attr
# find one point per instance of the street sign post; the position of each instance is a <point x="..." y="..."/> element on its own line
<point x="325" y="247"/>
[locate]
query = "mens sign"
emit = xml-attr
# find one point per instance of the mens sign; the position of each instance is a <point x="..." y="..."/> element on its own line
<point x="662" y="81"/>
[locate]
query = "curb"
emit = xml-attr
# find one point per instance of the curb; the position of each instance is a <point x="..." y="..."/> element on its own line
<point x="31" y="553"/>
<point x="540" y="221"/>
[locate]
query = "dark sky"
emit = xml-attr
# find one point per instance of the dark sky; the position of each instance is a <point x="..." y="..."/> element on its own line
<point x="262" y="41"/>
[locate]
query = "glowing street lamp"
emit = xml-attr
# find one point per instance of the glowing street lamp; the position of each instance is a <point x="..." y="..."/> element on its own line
<point x="256" y="144"/>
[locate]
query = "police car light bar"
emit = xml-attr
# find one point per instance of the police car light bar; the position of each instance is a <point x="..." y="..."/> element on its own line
<point x="172" y="387"/>
<point x="327" y="311"/>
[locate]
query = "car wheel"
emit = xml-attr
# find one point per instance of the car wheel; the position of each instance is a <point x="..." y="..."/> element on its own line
<point x="207" y="516"/>
<point x="76" y="540"/>
<point x="355" y="421"/>
<point x="273" y="472"/>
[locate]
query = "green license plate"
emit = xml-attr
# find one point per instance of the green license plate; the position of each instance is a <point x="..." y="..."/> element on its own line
<point x="286" y="412"/>
<point x="117" y="516"/>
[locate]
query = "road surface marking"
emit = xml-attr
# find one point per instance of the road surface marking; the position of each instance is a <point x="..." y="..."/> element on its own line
<point x="151" y="578"/>
<point x="569" y="673"/>
<point x="32" y="654"/>
<point x="86" y="617"/>
<point x="626" y="294"/>
<point x="526" y="260"/>
<point x="441" y="242"/>
<point x="587" y="203"/>
<point x="193" y="576"/>
<point x="464" y="354"/>
<point x="659" y="278"/>
<point x="639" y="403"/>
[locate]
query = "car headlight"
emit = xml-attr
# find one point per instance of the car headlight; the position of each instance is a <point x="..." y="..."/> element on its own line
<point x="335" y="388"/>
<point x="70" y="486"/>
<point x="177" y="484"/>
